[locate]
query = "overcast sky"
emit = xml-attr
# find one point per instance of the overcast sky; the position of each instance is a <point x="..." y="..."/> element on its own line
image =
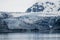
<point x="15" y="5"/>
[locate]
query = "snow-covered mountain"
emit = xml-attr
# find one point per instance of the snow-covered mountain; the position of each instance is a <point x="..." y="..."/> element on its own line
<point x="46" y="6"/>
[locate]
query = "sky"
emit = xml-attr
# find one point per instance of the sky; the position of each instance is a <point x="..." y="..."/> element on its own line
<point x="16" y="5"/>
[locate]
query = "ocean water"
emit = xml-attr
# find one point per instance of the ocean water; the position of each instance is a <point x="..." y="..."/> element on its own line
<point x="29" y="36"/>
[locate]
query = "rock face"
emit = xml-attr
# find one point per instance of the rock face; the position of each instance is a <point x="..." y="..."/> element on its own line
<point x="35" y="8"/>
<point x="3" y="24"/>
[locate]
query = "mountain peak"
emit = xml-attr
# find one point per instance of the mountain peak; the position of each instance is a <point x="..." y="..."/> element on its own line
<point x="44" y="7"/>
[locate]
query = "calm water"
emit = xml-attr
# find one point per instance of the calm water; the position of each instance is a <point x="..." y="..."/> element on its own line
<point x="29" y="36"/>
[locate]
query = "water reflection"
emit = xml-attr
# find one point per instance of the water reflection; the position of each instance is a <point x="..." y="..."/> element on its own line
<point x="29" y="36"/>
